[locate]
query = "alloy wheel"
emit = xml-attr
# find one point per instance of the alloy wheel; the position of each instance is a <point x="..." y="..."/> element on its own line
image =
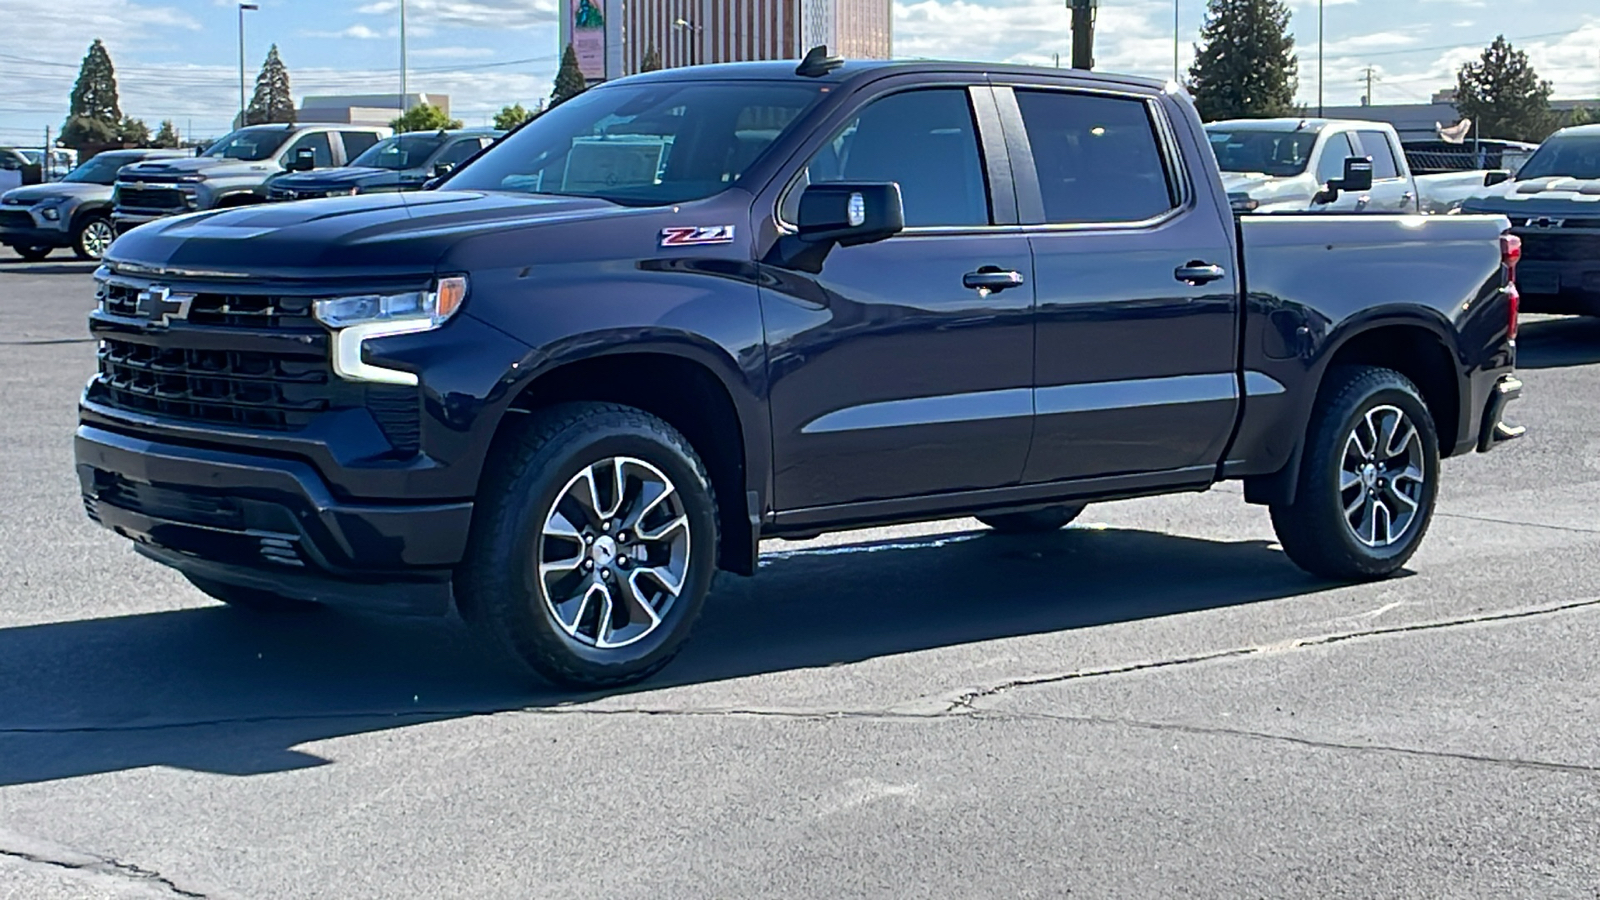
<point x="1381" y="477"/>
<point x="614" y="552"/>
<point x="97" y="237"/>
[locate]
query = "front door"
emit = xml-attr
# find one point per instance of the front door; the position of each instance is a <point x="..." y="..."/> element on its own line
<point x="1135" y="284"/>
<point x="889" y="377"/>
<point x="1392" y="189"/>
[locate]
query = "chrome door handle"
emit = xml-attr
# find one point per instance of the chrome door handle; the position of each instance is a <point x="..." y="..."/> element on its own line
<point x="991" y="279"/>
<point x="1197" y="273"/>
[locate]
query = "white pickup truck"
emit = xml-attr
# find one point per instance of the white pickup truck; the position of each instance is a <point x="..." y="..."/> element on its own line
<point x="1283" y="165"/>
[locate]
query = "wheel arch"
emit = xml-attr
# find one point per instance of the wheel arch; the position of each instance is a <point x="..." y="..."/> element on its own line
<point x="697" y="390"/>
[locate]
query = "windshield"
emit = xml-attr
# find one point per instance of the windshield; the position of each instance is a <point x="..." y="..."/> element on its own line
<point x="1565" y="157"/>
<point x="101" y="169"/>
<point x="249" y="144"/>
<point x="1271" y="152"/>
<point x="406" y="151"/>
<point x="643" y="145"/>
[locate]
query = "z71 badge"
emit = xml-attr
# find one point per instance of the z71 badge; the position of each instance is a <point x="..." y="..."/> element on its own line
<point x="696" y="236"/>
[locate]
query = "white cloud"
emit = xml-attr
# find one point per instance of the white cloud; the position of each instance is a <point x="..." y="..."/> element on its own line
<point x="494" y="14"/>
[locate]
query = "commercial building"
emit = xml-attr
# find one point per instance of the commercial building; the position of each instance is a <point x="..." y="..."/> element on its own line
<point x="365" y="109"/>
<point x="613" y="37"/>
<point x="1419" y="121"/>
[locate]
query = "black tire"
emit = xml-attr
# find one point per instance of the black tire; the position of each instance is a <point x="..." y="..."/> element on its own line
<point x="1314" y="530"/>
<point x="95" y="234"/>
<point x="252" y="600"/>
<point x="498" y="587"/>
<point x="33" y="254"/>
<point x="1034" y="521"/>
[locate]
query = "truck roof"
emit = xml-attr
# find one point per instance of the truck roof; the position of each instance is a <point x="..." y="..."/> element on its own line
<point x="851" y="70"/>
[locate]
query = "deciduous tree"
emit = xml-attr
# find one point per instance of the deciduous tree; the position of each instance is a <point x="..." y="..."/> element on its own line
<point x="1504" y="96"/>
<point x="424" y="117"/>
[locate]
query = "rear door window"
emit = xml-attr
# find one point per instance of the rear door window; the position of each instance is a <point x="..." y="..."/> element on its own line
<point x="321" y="148"/>
<point x="357" y="142"/>
<point x="458" y="152"/>
<point x="1098" y="158"/>
<point x="1376" y="145"/>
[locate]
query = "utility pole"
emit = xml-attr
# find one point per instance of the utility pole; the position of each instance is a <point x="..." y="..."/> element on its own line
<point x="1319" y="59"/>
<point x="45" y="159"/>
<point x="403" y="92"/>
<point x="1083" y="12"/>
<point x="1367" y="101"/>
<point x="242" y="8"/>
<point x="1174" y="40"/>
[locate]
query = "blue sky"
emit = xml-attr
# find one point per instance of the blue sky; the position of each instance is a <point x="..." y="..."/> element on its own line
<point x="178" y="59"/>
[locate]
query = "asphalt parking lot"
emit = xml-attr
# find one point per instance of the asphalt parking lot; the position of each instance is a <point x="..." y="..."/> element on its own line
<point x="1153" y="703"/>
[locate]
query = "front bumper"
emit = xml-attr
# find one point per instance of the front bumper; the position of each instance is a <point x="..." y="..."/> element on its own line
<point x="22" y="227"/>
<point x="270" y="523"/>
<point x="1494" y="431"/>
<point x="126" y="219"/>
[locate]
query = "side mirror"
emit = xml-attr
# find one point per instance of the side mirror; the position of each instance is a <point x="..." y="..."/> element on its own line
<point x="305" y="159"/>
<point x="1495" y="176"/>
<point x="1357" y="177"/>
<point x="1243" y="203"/>
<point x="440" y="170"/>
<point x="850" y="214"/>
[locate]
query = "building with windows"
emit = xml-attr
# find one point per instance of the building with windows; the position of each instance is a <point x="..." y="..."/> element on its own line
<point x="612" y="38"/>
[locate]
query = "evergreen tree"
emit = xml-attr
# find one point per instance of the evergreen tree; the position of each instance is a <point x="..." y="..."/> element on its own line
<point x="133" y="132"/>
<point x="569" y="78"/>
<point x="510" y="117"/>
<point x="166" y="136"/>
<point x="1245" y="66"/>
<point x="424" y="117"/>
<point x="652" y="60"/>
<point x="95" y="116"/>
<point x="272" y="102"/>
<point x="1503" y="96"/>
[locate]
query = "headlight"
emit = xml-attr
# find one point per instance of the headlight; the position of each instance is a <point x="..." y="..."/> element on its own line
<point x="355" y="319"/>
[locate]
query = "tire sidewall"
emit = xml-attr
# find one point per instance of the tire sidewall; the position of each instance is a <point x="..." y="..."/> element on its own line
<point x="1390" y="394"/>
<point x="529" y="501"/>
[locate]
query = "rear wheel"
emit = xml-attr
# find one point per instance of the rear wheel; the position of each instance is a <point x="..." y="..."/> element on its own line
<point x="593" y="545"/>
<point x="251" y="599"/>
<point x="94" y="236"/>
<point x="32" y="254"/>
<point x="1035" y="521"/>
<point x="1368" y="480"/>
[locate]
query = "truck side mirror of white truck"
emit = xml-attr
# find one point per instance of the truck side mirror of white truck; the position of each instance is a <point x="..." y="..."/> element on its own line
<point x="1357" y="177"/>
<point x="1495" y="176"/>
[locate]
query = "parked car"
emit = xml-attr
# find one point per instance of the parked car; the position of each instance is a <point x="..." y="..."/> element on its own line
<point x="15" y="169"/>
<point x="74" y="212"/>
<point x="1278" y="165"/>
<point x="404" y="162"/>
<point x="1551" y="205"/>
<point x="234" y="170"/>
<point x="564" y="387"/>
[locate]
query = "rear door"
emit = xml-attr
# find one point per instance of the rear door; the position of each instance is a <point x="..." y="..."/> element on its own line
<point x="1392" y="189"/>
<point x="1136" y="286"/>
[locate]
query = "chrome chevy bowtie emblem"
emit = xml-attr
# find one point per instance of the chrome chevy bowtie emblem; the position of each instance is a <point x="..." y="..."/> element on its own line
<point x="159" y="304"/>
<point x="1547" y="222"/>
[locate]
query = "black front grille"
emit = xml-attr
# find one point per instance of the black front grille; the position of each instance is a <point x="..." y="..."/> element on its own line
<point x="15" y="218"/>
<point x="1547" y="247"/>
<point x="229" y="310"/>
<point x="166" y="503"/>
<point x="257" y="390"/>
<point x="150" y="197"/>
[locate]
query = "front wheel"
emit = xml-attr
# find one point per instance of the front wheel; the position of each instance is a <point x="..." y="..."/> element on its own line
<point x="593" y="545"/>
<point x="1368" y="479"/>
<point x="94" y="237"/>
<point x="32" y="254"/>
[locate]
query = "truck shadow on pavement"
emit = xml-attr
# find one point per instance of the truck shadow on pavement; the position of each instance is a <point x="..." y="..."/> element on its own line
<point x="217" y="690"/>
<point x="1557" y="343"/>
<point x="51" y="267"/>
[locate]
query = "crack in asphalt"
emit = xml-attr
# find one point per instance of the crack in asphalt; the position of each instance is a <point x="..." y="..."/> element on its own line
<point x="1217" y="731"/>
<point x="105" y="865"/>
<point x="967" y="699"/>
<point x="1494" y="521"/>
<point x="963" y="703"/>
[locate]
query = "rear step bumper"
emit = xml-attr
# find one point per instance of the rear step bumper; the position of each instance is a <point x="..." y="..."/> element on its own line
<point x="1495" y="431"/>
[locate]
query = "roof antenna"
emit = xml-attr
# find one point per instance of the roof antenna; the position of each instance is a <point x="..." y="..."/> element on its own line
<point x="818" y="63"/>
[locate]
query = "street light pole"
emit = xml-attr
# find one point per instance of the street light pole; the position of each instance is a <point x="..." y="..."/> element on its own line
<point x="404" y="93"/>
<point x="242" y="8"/>
<point x="1319" y="59"/>
<point x="694" y="34"/>
<point x="1174" y="40"/>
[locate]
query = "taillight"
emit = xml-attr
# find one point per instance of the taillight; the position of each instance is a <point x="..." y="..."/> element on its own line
<point x="1510" y="255"/>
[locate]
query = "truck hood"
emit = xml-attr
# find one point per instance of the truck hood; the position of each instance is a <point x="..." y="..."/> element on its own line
<point x="33" y="193"/>
<point x="1539" y="197"/>
<point x="209" y="166"/>
<point x="363" y="178"/>
<point x="1268" y="188"/>
<point x="384" y="234"/>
